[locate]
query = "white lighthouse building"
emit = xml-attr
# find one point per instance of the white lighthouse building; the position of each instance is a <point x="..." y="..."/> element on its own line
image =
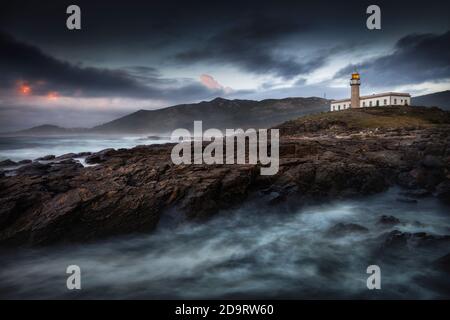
<point x="374" y="100"/>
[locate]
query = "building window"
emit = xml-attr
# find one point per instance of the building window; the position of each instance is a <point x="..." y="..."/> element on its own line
<point x="378" y="103"/>
<point x="395" y="101"/>
<point x="364" y="103"/>
<point x="385" y="101"/>
<point x="370" y="103"/>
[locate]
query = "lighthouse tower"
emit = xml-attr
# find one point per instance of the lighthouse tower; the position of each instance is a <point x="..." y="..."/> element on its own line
<point x="355" y="82"/>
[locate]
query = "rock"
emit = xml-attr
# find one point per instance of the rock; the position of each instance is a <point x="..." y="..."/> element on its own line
<point x="343" y="229"/>
<point x="82" y="154"/>
<point x="66" y="156"/>
<point x="99" y="157"/>
<point x="7" y="163"/>
<point x="432" y="162"/>
<point x="25" y="161"/>
<point x="397" y="239"/>
<point x="388" y="220"/>
<point x="33" y="169"/>
<point x="130" y="192"/>
<point x="46" y="158"/>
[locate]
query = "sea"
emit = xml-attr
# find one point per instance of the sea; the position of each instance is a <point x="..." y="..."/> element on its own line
<point x="18" y="148"/>
<point x="256" y="250"/>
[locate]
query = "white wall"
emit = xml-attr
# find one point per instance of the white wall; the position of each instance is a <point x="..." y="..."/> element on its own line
<point x="388" y="100"/>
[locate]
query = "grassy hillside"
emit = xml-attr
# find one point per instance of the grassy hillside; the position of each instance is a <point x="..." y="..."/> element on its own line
<point x="368" y="118"/>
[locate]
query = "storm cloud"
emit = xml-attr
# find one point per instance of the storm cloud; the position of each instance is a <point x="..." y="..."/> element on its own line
<point x="23" y="63"/>
<point x="416" y="58"/>
<point x="255" y="46"/>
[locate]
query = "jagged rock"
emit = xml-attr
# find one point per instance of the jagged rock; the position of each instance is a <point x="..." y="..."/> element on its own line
<point x="66" y="156"/>
<point x="343" y="229"/>
<point x="46" y="158"/>
<point x="132" y="188"/>
<point x="7" y="163"/>
<point x="398" y="239"/>
<point x="82" y="154"/>
<point x="99" y="157"/>
<point x="432" y="162"/>
<point x="33" y="169"/>
<point x="388" y="220"/>
<point x="26" y="161"/>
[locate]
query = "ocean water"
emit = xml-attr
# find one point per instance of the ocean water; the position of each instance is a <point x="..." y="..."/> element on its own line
<point x="254" y="251"/>
<point x="21" y="147"/>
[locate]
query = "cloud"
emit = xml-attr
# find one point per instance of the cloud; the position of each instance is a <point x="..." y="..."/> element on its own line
<point x="416" y="58"/>
<point x="211" y="83"/>
<point x="23" y="64"/>
<point x="257" y="47"/>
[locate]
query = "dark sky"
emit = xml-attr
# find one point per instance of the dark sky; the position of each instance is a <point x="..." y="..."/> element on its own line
<point x="132" y="55"/>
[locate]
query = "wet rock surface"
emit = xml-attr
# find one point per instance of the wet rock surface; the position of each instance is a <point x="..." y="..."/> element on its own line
<point x="388" y="220"/>
<point x="341" y="229"/>
<point x="130" y="190"/>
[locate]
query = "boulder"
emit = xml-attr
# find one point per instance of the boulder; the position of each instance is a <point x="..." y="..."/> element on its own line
<point x="26" y="161"/>
<point x="46" y="158"/>
<point x="432" y="162"/>
<point x="99" y="157"/>
<point x="401" y="240"/>
<point x="343" y="229"/>
<point x="66" y="156"/>
<point x="7" y="163"/>
<point x="388" y="220"/>
<point x="34" y="169"/>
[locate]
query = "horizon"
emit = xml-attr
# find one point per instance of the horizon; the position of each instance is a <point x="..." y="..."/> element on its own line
<point x="172" y="106"/>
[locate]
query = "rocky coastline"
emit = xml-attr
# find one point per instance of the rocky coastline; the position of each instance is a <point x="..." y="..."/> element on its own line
<point x="57" y="200"/>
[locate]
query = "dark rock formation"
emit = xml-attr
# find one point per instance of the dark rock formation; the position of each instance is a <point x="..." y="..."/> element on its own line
<point x="7" y="163"/>
<point x="66" y="156"/>
<point x="46" y="158"/>
<point x="99" y="157"/>
<point x="26" y="161"/>
<point x="388" y="220"/>
<point x="129" y="190"/>
<point x="400" y="240"/>
<point x="342" y="229"/>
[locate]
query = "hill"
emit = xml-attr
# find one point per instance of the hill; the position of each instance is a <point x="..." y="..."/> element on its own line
<point x="367" y="118"/>
<point x="48" y="129"/>
<point x="437" y="99"/>
<point x="218" y="113"/>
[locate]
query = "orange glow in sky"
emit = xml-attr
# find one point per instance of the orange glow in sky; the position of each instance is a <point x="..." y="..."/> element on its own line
<point x="52" y="95"/>
<point x="25" y="89"/>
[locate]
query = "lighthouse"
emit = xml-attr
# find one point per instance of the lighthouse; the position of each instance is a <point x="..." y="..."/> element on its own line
<point x="355" y="82"/>
<point x="375" y="100"/>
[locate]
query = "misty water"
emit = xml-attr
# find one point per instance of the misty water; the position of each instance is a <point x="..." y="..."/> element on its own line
<point x="29" y="147"/>
<point x="254" y="251"/>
